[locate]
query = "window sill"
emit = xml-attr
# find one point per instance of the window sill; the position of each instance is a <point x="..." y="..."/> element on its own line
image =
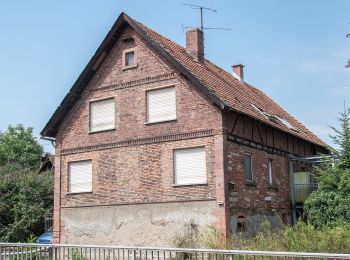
<point x="130" y="67"/>
<point x="101" y="131"/>
<point x="77" y="193"/>
<point x="250" y="183"/>
<point x="159" y="122"/>
<point x="189" y="185"/>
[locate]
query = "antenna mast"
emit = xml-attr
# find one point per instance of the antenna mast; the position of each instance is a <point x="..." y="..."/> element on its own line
<point x="201" y="9"/>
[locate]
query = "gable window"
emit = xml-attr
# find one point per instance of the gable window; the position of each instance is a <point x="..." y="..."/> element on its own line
<point x="161" y="105"/>
<point x="248" y="167"/>
<point x="80" y="176"/>
<point x="269" y="172"/>
<point x="102" y="115"/>
<point x="129" y="58"/>
<point x="190" y="166"/>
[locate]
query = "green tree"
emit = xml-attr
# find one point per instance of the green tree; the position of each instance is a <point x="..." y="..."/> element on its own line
<point x="18" y="145"/>
<point x="25" y="197"/>
<point x="330" y="204"/>
<point x="341" y="138"/>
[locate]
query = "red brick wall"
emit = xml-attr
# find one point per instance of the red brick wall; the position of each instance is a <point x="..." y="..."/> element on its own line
<point x="137" y="167"/>
<point x="264" y="143"/>
<point x="134" y="164"/>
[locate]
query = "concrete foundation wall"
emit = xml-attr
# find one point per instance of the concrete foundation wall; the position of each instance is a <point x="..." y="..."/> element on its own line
<point x="134" y="225"/>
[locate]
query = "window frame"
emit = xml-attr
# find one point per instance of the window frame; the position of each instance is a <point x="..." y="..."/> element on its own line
<point x="69" y="177"/>
<point x="125" y="52"/>
<point x="175" y="184"/>
<point x="90" y="110"/>
<point x="270" y="172"/>
<point x="251" y="167"/>
<point x="147" y="122"/>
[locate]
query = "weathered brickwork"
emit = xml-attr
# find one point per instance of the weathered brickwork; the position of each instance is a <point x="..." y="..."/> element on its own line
<point x="133" y="163"/>
<point x="136" y="174"/>
<point x="255" y="200"/>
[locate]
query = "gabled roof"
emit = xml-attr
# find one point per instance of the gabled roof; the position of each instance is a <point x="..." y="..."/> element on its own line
<point x="221" y="87"/>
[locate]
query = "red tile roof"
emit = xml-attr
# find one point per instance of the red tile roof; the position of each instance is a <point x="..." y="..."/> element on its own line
<point x="224" y="89"/>
<point x="241" y="97"/>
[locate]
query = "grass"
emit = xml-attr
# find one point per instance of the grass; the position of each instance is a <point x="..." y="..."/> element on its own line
<point x="299" y="238"/>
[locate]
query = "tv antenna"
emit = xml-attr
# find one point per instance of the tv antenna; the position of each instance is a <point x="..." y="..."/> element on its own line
<point x="201" y="9"/>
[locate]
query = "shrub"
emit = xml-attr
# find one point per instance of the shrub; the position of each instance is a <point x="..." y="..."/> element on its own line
<point x="25" y="197"/>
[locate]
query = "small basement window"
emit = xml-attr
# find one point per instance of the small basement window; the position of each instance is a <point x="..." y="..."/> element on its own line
<point x="190" y="166"/>
<point x="248" y="167"/>
<point x="241" y="224"/>
<point x="80" y="176"/>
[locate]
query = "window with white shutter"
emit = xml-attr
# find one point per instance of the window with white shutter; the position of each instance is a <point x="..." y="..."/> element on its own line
<point x="161" y="105"/>
<point x="102" y="115"/>
<point x="190" y="166"/>
<point x="80" y="176"/>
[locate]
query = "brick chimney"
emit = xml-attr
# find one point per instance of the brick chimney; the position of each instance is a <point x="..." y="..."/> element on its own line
<point x="238" y="70"/>
<point x="195" y="44"/>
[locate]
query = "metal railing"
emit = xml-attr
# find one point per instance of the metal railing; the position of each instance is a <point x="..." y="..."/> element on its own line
<point x="80" y="252"/>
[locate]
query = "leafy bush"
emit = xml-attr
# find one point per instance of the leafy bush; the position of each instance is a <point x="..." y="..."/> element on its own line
<point x="330" y="204"/>
<point x="25" y="197"/>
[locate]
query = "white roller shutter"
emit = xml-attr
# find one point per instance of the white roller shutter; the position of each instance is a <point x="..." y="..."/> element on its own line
<point x="190" y="166"/>
<point x="102" y="115"/>
<point x="161" y="105"/>
<point x="80" y="176"/>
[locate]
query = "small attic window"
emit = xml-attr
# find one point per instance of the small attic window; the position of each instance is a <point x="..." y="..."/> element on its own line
<point x="260" y="111"/>
<point x="274" y="118"/>
<point x="286" y="123"/>
<point x="129" y="58"/>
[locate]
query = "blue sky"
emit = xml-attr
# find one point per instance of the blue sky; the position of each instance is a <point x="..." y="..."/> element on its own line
<point x="294" y="51"/>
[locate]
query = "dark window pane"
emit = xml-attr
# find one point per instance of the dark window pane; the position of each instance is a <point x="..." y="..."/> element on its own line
<point x="129" y="58"/>
<point x="248" y="167"/>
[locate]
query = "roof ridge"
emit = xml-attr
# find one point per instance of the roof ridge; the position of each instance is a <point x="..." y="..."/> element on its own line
<point x="219" y="85"/>
<point x="248" y="94"/>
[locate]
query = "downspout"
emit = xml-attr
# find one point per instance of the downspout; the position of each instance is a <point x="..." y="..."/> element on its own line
<point x="292" y="191"/>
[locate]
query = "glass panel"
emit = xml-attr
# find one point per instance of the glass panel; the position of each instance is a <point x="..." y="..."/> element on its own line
<point x="270" y="171"/>
<point x="129" y="58"/>
<point x="248" y="167"/>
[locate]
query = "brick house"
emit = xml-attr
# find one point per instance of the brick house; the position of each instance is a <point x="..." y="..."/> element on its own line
<point x="152" y="137"/>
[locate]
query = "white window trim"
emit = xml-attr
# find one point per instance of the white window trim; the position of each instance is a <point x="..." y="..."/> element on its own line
<point x="175" y="184"/>
<point x="97" y="100"/>
<point x="147" y="122"/>
<point x="70" y="178"/>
